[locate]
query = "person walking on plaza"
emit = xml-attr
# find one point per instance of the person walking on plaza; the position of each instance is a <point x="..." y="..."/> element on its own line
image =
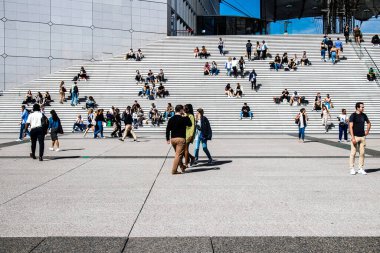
<point x="35" y="121"/>
<point x="190" y="131"/>
<point x="55" y="128"/>
<point x="24" y="116"/>
<point x="203" y="134"/>
<point x="358" y="136"/>
<point x="176" y="135"/>
<point x="301" y="120"/>
<point x="343" y="125"/>
<point x="128" y="121"/>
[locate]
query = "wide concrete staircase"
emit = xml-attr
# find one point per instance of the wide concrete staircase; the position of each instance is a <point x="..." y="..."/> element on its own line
<point x="112" y="83"/>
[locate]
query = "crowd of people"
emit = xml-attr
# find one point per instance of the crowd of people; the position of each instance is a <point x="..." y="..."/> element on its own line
<point x="149" y="90"/>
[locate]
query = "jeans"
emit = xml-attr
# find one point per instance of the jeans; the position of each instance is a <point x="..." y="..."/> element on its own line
<point x="333" y="57"/>
<point x="249" y="54"/>
<point x="301" y="133"/>
<point x="168" y="115"/>
<point x="221" y="50"/>
<point x="277" y="66"/>
<point x="343" y="130"/>
<point x="253" y="84"/>
<point x="250" y="114"/>
<point x="74" y="98"/>
<point x="99" y="129"/>
<point x="323" y="54"/>
<point x="22" y="130"/>
<point x="77" y="126"/>
<point x="37" y="134"/>
<point x="228" y="72"/>
<point x="204" y="146"/>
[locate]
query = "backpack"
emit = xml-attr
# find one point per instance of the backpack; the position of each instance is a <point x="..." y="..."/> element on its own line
<point x="75" y="89"/>
<point x="60" y="129"/>
<point x="44" y="124"/>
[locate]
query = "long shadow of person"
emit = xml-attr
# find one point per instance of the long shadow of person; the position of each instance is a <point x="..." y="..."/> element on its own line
<point x="200" y="167"/>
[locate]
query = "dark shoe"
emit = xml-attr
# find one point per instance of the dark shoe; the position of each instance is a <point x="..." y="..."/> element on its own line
<point x="33" y="156"/>
<point x="176" y="172"/>
<point x="40" y="158"/>
<point x="183" y="168"/>
<point x="192" y="162"/>
<point x="210" y="161"/>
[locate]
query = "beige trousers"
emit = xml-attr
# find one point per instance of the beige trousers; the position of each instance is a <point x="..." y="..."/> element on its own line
<point x="179" y="147"/>
<point x="360" y="146"/>
<point x="129" y="129"/>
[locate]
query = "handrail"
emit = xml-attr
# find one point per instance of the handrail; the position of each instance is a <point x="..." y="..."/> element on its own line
<point x="374" y="63"/>
<point x="359" y="52"/>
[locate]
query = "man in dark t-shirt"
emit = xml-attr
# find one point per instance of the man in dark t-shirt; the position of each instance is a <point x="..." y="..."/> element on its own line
<point x="358" y="135"/>
<point x="249" y="49"/>
<point x="246" y="111"/>
<point x="176" y="135"/>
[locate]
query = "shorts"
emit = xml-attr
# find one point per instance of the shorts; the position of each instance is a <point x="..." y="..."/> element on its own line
<point x="54" y="134"/>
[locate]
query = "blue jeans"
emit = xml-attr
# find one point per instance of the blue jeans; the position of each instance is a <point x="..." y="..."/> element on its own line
<point x="74" y="98"/>
<point x="228" y="72"/>
<point x="204" y="146"/>
<point x="22" y="130"/>
<point x="168" y="115"/>
<point x="333" y="57"/>
<point x="99" y="129"/>
<point x="221" y="49"/>
<point x="301" y="133"/>
<point x="277" y="66"/>
<point x="250" y="114"/>
<point x="343" y="130"/>
<point x="323" y="54"/>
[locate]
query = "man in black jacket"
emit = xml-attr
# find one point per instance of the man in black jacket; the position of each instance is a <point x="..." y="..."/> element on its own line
<point x="176" y="135"/>
<point x="203" y="134"/>
<point x="127" y="118"/>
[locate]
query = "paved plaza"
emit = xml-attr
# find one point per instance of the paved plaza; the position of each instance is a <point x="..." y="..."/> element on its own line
<point x="265" y="193"/>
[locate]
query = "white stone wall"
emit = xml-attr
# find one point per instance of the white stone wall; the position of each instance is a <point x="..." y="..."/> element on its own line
<point x="39" y="37"/>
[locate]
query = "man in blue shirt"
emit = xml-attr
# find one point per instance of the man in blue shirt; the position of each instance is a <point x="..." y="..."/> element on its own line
<point x="24" y="117"/>
<point x="339" y="46"/>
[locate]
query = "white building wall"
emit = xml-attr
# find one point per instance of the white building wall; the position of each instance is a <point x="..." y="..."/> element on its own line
<point x="39" y="37"/>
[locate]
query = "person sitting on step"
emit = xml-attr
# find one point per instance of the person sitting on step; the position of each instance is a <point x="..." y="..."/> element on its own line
<point x="161" y="91"/>
<point x="327" y="102"/>
<point x="375" y="40"/>
<point x="78" y="125"/>
<point x="82" y="74"/>
<point x="196" y="52"/>
<point x="169" y="112"/>
<point x="130" y="55"/>
<point x="156" y="118"/>
<point x="246" y="112"/>
<point x="139" y="78"/>
<point x="204" y="53"/>
<point x="47" y="99"/>
<point x="305" y="59"/>
<point x="139" y="55"/>
<point x="214" y="68"/>
<point x="229" y="91"/>
<point x="292" y="65"/>
<point x="150" y="77"/>
<point x="29" y="98"/>
<point x="285" y="59"/>
<point x="277" y="62"/>
<point x="295" y="98"/>
<point x="238" y="91"/>
<point x="317" y="102"/>
<point x="161" y="76"/>
<point x="207" y="69"/>
<point x="39" y="98"/>
<point x="90" y="103"/>
<point x="371" y="76"/>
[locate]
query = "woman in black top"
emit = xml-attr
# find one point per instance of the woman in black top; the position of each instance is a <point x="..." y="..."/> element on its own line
<point x="99" y="119"/>
<point x="241" y="66"/>
<point x="116" y="124"/>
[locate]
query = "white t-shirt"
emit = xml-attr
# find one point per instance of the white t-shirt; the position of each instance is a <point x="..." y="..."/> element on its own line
<point x="302" y="120"/>
<point x="343" y="118"/>
<point x="34" y="119"/>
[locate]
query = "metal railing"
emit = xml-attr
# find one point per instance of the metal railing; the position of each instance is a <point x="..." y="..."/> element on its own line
<point x="365" y="56"/>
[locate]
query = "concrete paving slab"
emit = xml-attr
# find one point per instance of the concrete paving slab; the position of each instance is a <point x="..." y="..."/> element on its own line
<point x="259" y="197"/>
<point x="100" y="198"/>
<point x="20" y="175"/>
<point x="81" y="245"/>
<point x="19" y="244"/>
<point x="169" y="245"/>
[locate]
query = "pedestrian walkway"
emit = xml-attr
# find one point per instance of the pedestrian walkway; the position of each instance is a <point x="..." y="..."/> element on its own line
<point x="272" y="194"/>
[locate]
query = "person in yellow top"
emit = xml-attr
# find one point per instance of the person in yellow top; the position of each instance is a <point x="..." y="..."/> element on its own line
<point x="190" y="131"/>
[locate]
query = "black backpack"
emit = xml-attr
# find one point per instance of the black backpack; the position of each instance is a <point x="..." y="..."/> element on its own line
<point x="44" y="124"/>
<point x="75" y="89"/>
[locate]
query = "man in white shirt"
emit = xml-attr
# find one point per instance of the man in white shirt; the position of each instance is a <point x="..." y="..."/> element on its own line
<point x="37" y="132"/>
<point x="264" y="49"/>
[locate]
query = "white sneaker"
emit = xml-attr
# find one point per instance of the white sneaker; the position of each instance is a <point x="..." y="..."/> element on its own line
<point x="362" y="171"/>
<point x="51" y="149"/>
<point x="18" y="140"/>
<point x="339" y="141"/>
<point x="57" y="150"/>
<point x="352" y="171"/>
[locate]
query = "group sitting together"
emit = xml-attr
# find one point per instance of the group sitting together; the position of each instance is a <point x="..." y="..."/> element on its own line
<point x="150" y="77"/>
<point x="238" y="93"/>
<point x="134" y="55"/>
<point x="295" y="97"/>
<point x="319" y="103"/>
<point x="233" y="66"/>
<point x="201" y="53"/>
<point x="286" y="64"/>
<point x="38" y="99"/>
<point x="211" y="70"/>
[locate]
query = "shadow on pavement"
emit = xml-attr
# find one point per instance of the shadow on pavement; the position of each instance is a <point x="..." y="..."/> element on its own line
<point x="372" y="170"/>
